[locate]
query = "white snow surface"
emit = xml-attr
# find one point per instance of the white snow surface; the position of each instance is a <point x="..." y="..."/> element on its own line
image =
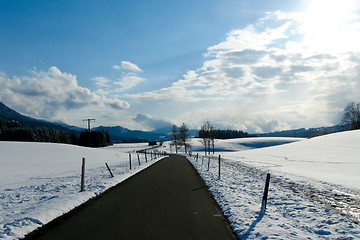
<point x="41" y="181"/>
<point x="314" y="187"/>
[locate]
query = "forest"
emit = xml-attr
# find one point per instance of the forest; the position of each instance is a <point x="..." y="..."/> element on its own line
<point x="14" y="131"/>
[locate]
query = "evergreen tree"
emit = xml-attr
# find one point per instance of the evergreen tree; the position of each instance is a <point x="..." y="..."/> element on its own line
<point x="94" y="139"/>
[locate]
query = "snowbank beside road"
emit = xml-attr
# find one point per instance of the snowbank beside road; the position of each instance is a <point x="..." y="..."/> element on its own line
<point x="332" y="158"/>
<point x="41" y="181"/>
<point x="314" y="189"/>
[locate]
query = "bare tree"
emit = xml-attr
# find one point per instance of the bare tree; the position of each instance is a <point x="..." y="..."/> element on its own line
<point x="351" y="116"/>
<point x="183" y="136"/>
<point x="212" y="138"/>
<point x="207" y="135"/>
<point x="174" y="136"/>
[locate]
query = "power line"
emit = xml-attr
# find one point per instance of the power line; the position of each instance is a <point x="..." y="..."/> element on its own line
<point x="89" y="120"/>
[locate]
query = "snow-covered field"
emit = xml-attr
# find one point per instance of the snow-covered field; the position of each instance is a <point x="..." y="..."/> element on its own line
<point x="314" y="188"/>
<point x="41" y="181"/>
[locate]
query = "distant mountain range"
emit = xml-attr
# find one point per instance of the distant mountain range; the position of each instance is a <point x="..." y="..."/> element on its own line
<point x="9" y="114"/>
<point x="117" y="133"/>
<point x="121" y="134"/>
<point x="305" y="133"/>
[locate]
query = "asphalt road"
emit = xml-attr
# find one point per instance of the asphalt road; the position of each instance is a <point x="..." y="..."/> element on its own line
<point x="165" y="201"/>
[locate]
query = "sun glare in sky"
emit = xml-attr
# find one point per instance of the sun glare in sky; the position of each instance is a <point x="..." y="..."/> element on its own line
<point x="328" y="25"/>
<point x="257" y="66"/>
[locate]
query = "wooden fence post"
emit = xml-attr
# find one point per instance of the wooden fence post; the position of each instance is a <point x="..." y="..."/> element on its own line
<point x="82" y="175"/>
<point x="265" y="197"/>
<point x="209" y="164"/>
<point x="145" y="157"/>
<point x="197" y="156"/>
<point x="130" y="160"/>
<point x="109" y="170"/>
<point x="138" y="159"/>
<point x="202" y="162"/>
<point x="219" y="165"/>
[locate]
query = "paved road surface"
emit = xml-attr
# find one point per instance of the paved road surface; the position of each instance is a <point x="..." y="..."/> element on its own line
<point x="165" y="201"/>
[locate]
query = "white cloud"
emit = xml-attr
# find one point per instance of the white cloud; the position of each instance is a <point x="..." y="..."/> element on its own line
<point x="150" y="122"/>
<point x="251" y="38"/>
<point x="102" y="82"/>
<point x="116" y="104"/>
<point x="273" y="74"/>
<point x="128" y="81"/>
<point x="274" y="67"/>
<point x="52" y="94"/>
<point x="127" y="66"/>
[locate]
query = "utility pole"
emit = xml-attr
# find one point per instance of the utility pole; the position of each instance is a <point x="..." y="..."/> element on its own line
<point x="89" y="120"/>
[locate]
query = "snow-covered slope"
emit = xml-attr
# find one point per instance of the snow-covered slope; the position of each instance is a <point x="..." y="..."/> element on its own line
<point x="41" y="181"/>
<point x="333" y="158"/>
<point x="24" y="161"/>
<point x="241" y="144"/>
<point x="314" y="188"/>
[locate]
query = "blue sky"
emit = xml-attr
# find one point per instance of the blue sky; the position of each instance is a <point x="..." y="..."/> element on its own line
<point x="253" y="65"/>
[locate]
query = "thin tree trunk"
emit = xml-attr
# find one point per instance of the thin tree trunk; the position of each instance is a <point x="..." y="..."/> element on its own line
<point x="209" y="148"/>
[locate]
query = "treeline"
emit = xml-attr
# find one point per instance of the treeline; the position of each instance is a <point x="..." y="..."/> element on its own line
<point x="94" y="139"/>
<point x="228" y="134"/>
<point x="14" y="131"/>
<point x="224" y="134"/>
<point x="209" y="134"/>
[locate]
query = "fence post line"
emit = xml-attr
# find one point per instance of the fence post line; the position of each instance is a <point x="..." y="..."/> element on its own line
<point x="197" y="156"/>
<point x="219" y="165"/>
<point x="130" y="160"/>
<point x="209" y="164"/>
<point x="145" y="157"/>
<point x="265" y="197"/>
<point x="82" y="175"/>
<point x="109" y="170"/>
<point x="138" y="159"/>
<point x="202" y="162"/>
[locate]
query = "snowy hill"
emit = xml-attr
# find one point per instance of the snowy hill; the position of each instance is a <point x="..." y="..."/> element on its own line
<point x="332" y="158"/>
<point x="327" y="158"/>
<point x="41" y="181"/>
<point x="241" y="144"/>
<point x="314" y="189"/>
